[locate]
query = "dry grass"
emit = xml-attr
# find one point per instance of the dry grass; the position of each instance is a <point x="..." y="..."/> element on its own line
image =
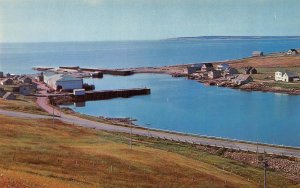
<point x="35" y="154"/>
<point x="22" y="104"/>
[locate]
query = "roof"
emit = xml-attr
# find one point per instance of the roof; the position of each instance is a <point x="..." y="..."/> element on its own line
<point x="290" y="73"/>
<point x="64" y="78"/>
<point x="243" y="77"/>
<point x="208" y="64"/>
<point x="8" y="94"/>
<point x="256" y="52"/>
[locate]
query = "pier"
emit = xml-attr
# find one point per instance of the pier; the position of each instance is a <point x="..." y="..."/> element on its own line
<point x="97" y="95"/>
<point x="117" y="72"/>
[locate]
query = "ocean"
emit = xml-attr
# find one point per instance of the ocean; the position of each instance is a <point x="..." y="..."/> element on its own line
<point x="175" y="104"/>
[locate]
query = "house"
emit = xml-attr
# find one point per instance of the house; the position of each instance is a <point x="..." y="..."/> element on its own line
<point x="27" y="89"/>
<point x="7" y="81"/>
<point x="214" y="74"/>
<point x="26" y="80"/>
<point x="207" y="67"/>
<point x="1" y="74"/>
<point x="250" y="70"/>
<point x="222" y="67"/>
<point x="292" y="52"/>
<point x="192" y="69"/>
<point x="9" y="96"/>
<point x="257" y="53"/>
<point x="63" y="82"/>
<point x="286" y="76"/>
<point x="242" y="79"/>
<point x="230" y="71"/>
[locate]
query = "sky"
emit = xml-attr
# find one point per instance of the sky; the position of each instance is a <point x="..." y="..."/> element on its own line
<point x="106" y="20"/>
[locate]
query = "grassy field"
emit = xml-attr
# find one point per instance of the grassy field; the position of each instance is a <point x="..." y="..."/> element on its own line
<point x="33" y="153"/>
<point x="22" y="104"/>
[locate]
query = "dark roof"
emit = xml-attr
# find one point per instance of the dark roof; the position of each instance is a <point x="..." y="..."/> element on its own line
<point x="290" y="73"/>
<point x="208" y="64"/>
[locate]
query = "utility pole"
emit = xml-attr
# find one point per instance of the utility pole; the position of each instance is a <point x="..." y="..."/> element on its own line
<point x="130" y="134"/>
<point x="52" y="115"/>
<point x="265" y="165"/>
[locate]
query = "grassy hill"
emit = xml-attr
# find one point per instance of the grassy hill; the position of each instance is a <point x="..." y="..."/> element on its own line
<point x="33" y="153"/>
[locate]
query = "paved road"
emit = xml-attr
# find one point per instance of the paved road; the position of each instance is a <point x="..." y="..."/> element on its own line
<point x="165" y="135"/>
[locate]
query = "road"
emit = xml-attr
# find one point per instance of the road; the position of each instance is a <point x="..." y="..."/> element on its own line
<point x="278" y="150"/>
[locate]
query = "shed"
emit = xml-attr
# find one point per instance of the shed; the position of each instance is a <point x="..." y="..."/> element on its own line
<point x="250" y="70"/>
<point x="7" y="81"/>
<point x="242" y="79"/>
<point x="9" y="96"/>
<point x="214" y="74"/>
<point x="257" y="53"/>
<point x="79" y="92"/>
<point x="207" y="67"/>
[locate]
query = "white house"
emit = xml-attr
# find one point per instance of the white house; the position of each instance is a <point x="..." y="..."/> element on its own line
<point x="286" y="76"/>
<point x="63" y="82"/>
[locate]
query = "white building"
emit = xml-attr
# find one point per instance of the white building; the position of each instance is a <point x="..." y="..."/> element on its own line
<point x="222" y="67"/>
<point x="62" y="82"/>
<point x="286" y="76"/>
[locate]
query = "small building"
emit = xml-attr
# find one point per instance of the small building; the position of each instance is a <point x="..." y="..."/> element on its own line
<point x="27" y="89"/>
<point x="292" y="52"/>
<point x="207" y="67"/>
<point x="26" y="80"/>
<point x="192" y="69"/>
<point x="214" y="74"/>
<point x="222" y="67"/>
<point x="39" y="78"/>
<point x="286" y="76"/>
<point x="1" y="74"/>
<point x="230" y="71"/>
<point x="257" y="53"/>
<point x="250" y="70"/>
<point x="242" y="79"/>
<point x="79" y="92"/>
<point x="7" y="81"/>
<point x="9" y="96"/>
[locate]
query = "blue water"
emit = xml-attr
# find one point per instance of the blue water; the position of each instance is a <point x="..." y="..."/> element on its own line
<point x="20" y="57"/>
<point x="175" y="103"/>
<point x="187" y="106"/>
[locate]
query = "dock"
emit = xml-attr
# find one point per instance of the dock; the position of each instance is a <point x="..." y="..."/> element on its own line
<point x="117" y="72"/>
<point x="109" y="94"/>
<point x="96" y="95"/>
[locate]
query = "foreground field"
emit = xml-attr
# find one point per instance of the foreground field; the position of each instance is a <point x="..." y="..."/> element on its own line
<point x="36" y="154"/>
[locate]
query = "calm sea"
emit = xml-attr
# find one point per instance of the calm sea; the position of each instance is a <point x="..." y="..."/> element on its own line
<point x="175" y="103"/>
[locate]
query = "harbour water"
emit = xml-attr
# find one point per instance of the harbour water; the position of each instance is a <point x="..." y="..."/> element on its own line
<point x="175" y="104"/>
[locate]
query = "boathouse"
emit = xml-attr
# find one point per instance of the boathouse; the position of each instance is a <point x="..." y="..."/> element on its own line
<point x="63" y="82"/>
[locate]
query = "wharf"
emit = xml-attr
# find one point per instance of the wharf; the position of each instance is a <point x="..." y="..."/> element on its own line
<point x="118" y="72"/>
<point x="97" y="95"/>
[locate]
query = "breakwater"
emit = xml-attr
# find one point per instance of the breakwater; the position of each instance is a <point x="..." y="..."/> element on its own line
<point x="97" y="95"/>
<point x="117" y="72"/>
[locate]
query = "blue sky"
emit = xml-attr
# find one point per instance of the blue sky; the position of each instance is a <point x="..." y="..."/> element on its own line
<point x="98" y="20"/>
